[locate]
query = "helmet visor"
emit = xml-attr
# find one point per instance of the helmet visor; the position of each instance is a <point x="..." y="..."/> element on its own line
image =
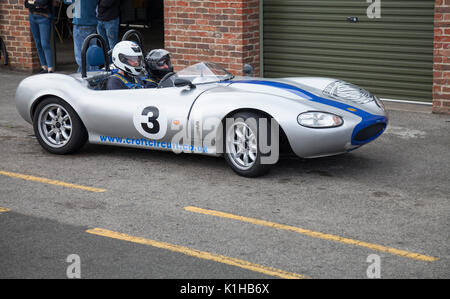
<point x="134" y="61"/>
<point x="163" y="61"/>
<point x="164" y="64"/>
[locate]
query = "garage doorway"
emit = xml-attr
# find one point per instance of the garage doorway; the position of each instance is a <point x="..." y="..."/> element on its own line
<point x="146" y="16"/>
<point x="392" y="55"/>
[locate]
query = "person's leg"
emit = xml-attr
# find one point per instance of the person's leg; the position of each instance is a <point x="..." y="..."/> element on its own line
<point x="112" y="32"/>
<point x="77" y="44"/>
<point x="102" y="31"/>
<point x="45" y="32"/>
<point x="88" y="30"/>
<point x="34" y="26"/>
<point x="82" y="33"/>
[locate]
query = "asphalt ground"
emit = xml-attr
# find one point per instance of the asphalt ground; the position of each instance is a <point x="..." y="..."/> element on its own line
<point x="318" y="218"/>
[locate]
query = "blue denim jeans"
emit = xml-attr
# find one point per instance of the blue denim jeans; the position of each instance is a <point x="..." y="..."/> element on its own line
<point x="109" y="30"/>
<point x="40" y="29"/>
<point x="80" y="33"/>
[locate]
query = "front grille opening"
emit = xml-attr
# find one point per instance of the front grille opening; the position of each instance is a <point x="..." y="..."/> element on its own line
<point x="369" y="132"/>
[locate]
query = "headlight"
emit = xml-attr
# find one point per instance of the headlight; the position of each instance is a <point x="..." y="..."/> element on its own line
<point x="314" y="119"/>
<point x="342" y="90"/>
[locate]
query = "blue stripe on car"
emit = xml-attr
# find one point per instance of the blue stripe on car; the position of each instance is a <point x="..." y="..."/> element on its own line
<point x="367" y="119"/>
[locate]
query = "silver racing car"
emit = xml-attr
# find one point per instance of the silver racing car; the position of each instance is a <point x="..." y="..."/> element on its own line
<point x="206" y="110"/>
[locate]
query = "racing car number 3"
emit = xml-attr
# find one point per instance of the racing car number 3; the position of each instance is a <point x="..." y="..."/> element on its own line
<point x="150" y="122"/>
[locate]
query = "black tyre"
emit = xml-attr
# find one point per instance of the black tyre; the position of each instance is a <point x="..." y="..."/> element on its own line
<point x="241" y="144"/>
<point x="57" y="127"/>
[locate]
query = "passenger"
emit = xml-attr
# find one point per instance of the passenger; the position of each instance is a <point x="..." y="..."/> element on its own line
<point x="128" y="58"/>
<point x="157" y="64"/>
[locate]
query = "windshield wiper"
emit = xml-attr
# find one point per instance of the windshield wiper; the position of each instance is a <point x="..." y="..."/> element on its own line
<point x="227" y="79"/>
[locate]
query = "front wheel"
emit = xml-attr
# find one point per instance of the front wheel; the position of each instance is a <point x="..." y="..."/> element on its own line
<point x="241" y="144"/>
<point x="57" y="127"/>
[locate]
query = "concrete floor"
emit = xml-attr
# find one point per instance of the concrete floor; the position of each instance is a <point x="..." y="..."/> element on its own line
<point x="393" y="192"/>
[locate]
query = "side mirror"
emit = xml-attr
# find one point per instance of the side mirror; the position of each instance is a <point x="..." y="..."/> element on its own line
<point x="183" y="82"/>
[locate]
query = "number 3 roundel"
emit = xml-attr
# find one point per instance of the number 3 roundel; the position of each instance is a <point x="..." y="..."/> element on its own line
<point x="150" y="122"/>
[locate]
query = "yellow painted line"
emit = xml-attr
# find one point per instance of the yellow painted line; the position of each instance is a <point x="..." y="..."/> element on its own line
<point x="4" y="210"/>
<point x="198" y="254"/>
<point x="313" y="234"/>
<point x="49" y="181"/>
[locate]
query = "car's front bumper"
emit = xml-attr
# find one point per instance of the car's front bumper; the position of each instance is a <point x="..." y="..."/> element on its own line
<point x="355" y="132"/>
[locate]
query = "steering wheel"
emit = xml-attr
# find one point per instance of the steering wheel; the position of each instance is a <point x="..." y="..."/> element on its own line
<point x="162" y="82"/>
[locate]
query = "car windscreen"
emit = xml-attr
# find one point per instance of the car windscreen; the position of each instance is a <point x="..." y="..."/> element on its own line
<point x="204" y="72"/>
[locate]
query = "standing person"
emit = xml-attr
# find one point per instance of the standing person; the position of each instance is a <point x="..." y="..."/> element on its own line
<point x="40" y="17"/>
<point x="108" y="16"/>
<point x="84" y="24"/>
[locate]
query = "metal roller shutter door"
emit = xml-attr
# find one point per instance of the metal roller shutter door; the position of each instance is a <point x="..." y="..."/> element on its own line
<point x="391" y="56"/>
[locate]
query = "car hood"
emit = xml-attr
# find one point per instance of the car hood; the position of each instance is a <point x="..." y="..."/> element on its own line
<point x="303" y="89"/>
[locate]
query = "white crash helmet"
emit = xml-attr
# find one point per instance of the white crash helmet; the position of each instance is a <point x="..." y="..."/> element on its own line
<point x="127" y="52"/>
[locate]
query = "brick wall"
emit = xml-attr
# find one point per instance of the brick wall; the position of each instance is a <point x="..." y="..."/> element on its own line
<point x="221" y="31"/>
<point x="15" y="32"/>
<point x="441" y="69"/>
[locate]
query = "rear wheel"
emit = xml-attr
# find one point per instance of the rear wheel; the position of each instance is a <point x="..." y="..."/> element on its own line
<point x="57" y="127"/>
<point x="241" y="144"/>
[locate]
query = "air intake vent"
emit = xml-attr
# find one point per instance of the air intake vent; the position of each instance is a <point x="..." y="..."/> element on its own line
<point x="370" y="132"/>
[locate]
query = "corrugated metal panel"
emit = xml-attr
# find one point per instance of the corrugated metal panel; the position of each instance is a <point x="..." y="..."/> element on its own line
<point x="391" y="56"/>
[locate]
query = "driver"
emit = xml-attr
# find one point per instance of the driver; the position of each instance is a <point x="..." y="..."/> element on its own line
<point x="127" y="57"/>
<point x="157" y="64"/>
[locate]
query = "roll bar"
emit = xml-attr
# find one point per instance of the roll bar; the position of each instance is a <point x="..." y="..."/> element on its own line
<point x="137" y="34"/>
<point x="84" y="49"/>
<point x="127" y="35"/>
